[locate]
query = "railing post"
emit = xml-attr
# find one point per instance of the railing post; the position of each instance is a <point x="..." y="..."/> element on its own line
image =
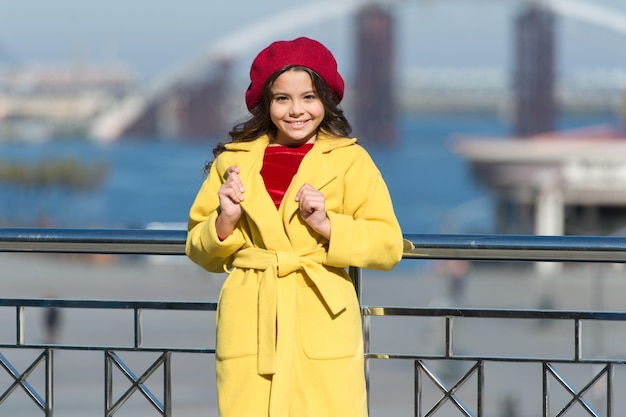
<point x="481" y="385"/>
<point x="417" y="388"/>
<point x="138" y="328"/>
<point x="167" y="385"/>
<point x="49" y="383"/>
<point x="578" y="340"/>
<point x="366" y="351"/>
<point x="545" y="389"/>
<point x="609" y="391"/>
<point x="356" y="274"/>
<point x="357" y="279"/>
<point x="449" y="338"/>
<point x="108" y="384"/>
<point x="19" y="325"/>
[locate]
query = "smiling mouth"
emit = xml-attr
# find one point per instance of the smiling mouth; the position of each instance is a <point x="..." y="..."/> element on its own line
<point x="298" y="123"/>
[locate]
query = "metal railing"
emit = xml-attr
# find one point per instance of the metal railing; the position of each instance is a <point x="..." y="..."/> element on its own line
<point x="447" y="394"/>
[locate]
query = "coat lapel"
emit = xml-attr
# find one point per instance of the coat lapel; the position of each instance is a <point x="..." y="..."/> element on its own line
<point x="315" y="169"/>
<point x="258" y="204"/>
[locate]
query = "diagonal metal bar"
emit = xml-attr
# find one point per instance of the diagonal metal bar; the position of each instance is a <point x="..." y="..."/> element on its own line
<point x="449" y="393"/>
<point x="577" y="396"/>
<point x="138" y="384"/>
<point x="19" y="380"/>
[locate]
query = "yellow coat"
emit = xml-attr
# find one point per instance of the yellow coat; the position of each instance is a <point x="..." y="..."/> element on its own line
<point x="289" y="339"/>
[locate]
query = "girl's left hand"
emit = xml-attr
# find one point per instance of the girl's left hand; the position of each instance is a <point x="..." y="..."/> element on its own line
<point x="313" y="209"/>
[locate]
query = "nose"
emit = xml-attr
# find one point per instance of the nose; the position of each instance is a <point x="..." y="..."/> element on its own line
<point x="296" y="108"/>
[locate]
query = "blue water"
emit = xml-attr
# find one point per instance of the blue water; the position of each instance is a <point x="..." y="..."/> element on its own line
<point x="432" y="188"/>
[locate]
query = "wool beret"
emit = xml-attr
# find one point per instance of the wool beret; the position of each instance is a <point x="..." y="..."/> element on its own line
<point x="303" y="52"/>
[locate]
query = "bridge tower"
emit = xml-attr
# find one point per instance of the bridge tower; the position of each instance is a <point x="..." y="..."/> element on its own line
<point x="374" y="103"/>
<point x="535" y="102"/>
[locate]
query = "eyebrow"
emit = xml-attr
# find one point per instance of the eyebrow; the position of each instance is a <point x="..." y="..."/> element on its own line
<point x="279" y="93"/>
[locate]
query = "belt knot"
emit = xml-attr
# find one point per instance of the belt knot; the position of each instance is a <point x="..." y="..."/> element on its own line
<point x="287" y="263"/>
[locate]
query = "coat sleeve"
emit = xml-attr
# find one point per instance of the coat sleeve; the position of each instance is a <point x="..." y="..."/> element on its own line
<point x="203" y="246"/>
<point x="367" y="233"/>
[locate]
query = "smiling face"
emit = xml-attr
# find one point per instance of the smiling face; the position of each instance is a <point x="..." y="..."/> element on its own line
<point x="295" y="108"/>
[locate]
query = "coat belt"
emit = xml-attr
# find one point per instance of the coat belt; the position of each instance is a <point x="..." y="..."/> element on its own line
<point x="277" y="264"/>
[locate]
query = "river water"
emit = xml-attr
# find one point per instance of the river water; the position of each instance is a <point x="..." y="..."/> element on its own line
<point x="156" y="181"/>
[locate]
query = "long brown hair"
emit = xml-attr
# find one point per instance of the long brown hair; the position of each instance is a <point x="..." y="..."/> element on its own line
<point x="259" y="122"/>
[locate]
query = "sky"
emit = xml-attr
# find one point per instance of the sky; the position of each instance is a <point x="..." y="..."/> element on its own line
<point x="154" y="38"/>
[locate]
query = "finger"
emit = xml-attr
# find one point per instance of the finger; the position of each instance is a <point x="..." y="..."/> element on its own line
<point x="232" y="175"/>
<point x="232" y="190"/>
<point x="311" y="201"/>
<point x="235" y="181"/>
<point x="311" y="206"/>
<point x="232" y="179"/>
<point x="230" y="170"/>
<point x="303" y="191"/>
<point x="235" y="192"/>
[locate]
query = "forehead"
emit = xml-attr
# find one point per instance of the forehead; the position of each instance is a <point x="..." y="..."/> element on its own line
<point x="293" y="79"/>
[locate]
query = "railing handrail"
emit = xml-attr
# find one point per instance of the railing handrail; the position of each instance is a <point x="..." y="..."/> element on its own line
<point x="109" y="304"/>
<point x="102" y="241"/>
<point x="490" y="247"/>
<point x="373" y="311"/>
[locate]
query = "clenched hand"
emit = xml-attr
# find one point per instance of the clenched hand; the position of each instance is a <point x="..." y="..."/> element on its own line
<point x="312" y="205"/>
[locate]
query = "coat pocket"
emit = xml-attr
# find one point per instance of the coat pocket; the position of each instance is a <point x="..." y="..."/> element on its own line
<point x="325" y="336"/>
<point x="237" y="322"/>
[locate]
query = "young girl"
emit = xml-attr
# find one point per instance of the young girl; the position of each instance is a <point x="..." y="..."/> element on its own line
<point x="287" y="206"/>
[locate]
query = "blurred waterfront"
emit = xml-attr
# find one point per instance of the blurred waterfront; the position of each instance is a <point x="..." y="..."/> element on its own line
<point x="156" y="181"/>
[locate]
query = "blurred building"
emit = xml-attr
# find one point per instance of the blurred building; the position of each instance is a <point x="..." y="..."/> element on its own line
<point x="488" y="89"/>
<point x="535" y="75"/>
<point x="550" y="182"/>
<point x="562" y="183"/>
<point x="374" y="104"/>
<point x="58" y="101"/>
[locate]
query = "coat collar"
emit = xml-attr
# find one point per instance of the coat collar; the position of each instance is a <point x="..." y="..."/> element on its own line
<point x="324" y="142"/>
<point x="315" y="169"/>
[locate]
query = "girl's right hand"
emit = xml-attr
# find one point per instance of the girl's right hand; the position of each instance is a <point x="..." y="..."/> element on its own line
<point x="230" y="195"/>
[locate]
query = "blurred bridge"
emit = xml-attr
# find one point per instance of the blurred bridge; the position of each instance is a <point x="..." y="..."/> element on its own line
<point x="195" y="101"/>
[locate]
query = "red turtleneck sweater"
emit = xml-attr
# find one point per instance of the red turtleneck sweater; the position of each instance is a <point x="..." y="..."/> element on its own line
<point x="280" y="164"/>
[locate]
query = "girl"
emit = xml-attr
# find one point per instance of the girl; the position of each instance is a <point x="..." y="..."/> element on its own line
<point x="287" y="206"/>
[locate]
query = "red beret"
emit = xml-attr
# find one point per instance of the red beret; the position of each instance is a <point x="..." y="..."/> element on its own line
<point x="303" y="52"/>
